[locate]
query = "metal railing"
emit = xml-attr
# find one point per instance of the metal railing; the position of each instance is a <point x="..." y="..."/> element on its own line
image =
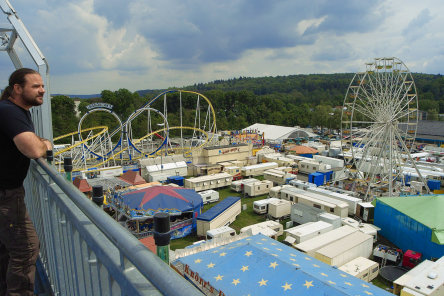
<point x="84" y="251"/>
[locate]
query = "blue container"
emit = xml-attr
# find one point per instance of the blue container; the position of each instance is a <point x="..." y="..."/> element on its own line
<point x="316" y="178"/>
<point x="434" y="184"/>
<point x="179" y="180"/>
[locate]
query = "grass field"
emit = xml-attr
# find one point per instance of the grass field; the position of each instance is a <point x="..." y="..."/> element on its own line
<point x="245" y="218"/>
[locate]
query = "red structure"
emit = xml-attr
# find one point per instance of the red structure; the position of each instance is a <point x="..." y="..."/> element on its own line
<point x="411" y="259"/>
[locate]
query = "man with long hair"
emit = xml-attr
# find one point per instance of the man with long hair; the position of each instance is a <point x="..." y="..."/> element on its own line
<point x="19" y="244"/>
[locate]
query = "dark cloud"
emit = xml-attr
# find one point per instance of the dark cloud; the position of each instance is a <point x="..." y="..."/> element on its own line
<point x="206" y="31"/>
<point x="115" y="11"/>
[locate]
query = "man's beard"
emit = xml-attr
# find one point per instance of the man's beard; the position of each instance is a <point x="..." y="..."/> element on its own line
<point x="32" y="100"/>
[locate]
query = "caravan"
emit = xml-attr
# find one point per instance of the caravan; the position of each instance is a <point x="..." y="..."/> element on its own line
<point x="261" y="206"/>
<point x="209" y="196"/>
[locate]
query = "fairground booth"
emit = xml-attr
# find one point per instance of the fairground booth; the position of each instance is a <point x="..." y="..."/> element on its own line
<point x="135" y="209"/>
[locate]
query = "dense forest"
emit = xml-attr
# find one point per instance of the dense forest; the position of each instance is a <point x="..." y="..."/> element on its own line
<point x="304" y="100"/>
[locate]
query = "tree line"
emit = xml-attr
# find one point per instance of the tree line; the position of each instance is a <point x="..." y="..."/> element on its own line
<point x="304" y="100"/>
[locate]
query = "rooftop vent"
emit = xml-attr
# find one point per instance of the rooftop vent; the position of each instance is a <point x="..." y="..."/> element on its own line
<point x="432" y="275"/>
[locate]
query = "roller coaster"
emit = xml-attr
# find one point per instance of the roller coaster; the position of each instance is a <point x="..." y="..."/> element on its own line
<point x="96" y="147"/>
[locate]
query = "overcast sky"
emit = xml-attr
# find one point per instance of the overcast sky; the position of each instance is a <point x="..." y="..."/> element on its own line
<point x="92" y="45"/>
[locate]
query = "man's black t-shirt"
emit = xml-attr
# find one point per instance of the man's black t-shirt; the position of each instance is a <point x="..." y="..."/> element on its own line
<point x="13" y="164"/>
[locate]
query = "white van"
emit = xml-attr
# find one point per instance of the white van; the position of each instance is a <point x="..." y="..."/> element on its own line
<point x="220" y="232"/>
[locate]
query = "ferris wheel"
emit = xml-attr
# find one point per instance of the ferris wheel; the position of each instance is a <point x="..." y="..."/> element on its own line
<point x="378" y="125"/>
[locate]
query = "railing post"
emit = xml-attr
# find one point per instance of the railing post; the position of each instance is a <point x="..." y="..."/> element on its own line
<point x="162" y="236"/>
<point x="49" y="156"/>
<point x="97" y="196"/>
<point x="67" y="166"/>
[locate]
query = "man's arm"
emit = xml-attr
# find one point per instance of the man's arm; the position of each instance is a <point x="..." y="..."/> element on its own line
<point x="32" y="146"/>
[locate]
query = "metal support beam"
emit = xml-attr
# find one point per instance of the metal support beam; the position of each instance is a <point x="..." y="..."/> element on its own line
<point x="41" y="115"/>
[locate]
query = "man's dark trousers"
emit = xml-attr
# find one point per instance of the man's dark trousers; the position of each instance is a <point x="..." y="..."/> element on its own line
<point x="19" y="245"/>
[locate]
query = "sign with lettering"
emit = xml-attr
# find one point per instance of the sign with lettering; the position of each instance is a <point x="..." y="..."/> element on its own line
<point x="99" y="105"/>
<point x="204" y="286"/>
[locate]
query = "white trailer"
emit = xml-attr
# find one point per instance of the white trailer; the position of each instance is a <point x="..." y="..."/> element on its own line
<point x="222" y="214"/>
<point x="362" y="268"/>
<point x="333" y="162"/>
<point x="261" y="206"/>
<point x="344" y="250"/>
<point x="278" y="177"/>
<point x="325" y="203"/>
<point x="365" y="211"/>
<point x="366" y="228"/>
<point x="224" y="231"/>
<point x="278" y="208"/>
<point x="269" y="228"/>
<point x="209" y="181"/>
<point x="301" y="184"/>
<point x="301" y="233"/>
<point x="311" y="166"/>
<point x="209" y="196"/>
<point x="160" y="172"/>
<point x="312" y="245"/>
<point x="238" y="185"/>
<point x="276" y="191"/>
<point x="350" y="200"/>
<point x="258" y="188"/>
<point x="232" y="170"/>
<point x="257" y="169"/>
<point x="279" y="159"/>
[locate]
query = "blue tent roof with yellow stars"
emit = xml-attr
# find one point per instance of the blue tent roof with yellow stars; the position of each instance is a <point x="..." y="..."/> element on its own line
<point x="259" y="265"/>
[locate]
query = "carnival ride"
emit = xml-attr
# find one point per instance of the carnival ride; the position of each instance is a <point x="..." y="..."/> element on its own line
<point x="379" y="121"/>
<point x="96" y="147"/>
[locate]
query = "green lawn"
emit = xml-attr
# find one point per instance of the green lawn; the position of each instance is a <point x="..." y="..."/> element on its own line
<point x="245" y="218"/>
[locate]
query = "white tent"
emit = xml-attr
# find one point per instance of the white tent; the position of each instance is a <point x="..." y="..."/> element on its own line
<point x="276" y="132"/>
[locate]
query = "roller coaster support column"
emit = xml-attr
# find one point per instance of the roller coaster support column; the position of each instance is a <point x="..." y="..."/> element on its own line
<point x="67" y="165"/>
<point x="162" y="236"/>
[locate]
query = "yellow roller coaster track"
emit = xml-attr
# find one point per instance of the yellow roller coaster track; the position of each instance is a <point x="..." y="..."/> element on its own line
<point x="104" y="130"/>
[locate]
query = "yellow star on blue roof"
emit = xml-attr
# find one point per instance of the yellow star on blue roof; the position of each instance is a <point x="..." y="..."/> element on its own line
<point x="324" y="274"/>
<point x="365" y="286"/>
<point x="348" y="284"/>
<point x="333" y="283"/>
<point x="308" y="284"/>
<point x="286" y="286"/>
<point x="211" y="265"/>
<point x="315" y="265"/>
<point x="197" y="260"/>
<point x="222" y="254"/>
<point x="219" y="277"/>
<point x="273" y="264"/>
<point x="262" y="283"/>
<point x="248" y="253"/>
<point x="235" y="282"/>
<point x="368" y="293"/>
<point x="244" y="268"/>
<point x="343" y="275"/>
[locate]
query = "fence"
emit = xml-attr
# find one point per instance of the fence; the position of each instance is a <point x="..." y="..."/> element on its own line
<point x="84" y="251"/>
